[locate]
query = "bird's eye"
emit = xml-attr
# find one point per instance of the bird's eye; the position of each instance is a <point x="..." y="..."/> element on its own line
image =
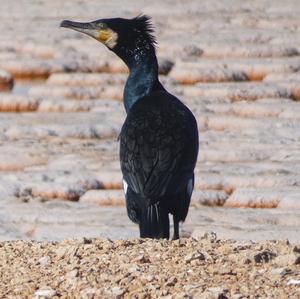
<point x="102" y="26"/>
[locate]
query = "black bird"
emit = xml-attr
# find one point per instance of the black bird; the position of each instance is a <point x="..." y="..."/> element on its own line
<point x="159" y="139"/>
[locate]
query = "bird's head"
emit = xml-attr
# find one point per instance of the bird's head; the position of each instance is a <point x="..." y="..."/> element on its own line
<point x="119" y="35"/>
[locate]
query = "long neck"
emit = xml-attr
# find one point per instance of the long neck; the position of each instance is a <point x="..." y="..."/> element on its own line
<point x="143" y="73"/>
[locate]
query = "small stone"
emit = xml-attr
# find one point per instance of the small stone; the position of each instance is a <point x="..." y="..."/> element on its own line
<point x="73" y="273"/>
<point x="117" y="291"/>
<point x="215" y="289"/>
<point x="181" y="295"/>
<point x="247" y="261"/>
<point x="280" y="272"/>
<point x="189" y="287"/>
<point x="293" y="282"/>
<point x="171" y="282"/>
<point x="264" y="256"/>
<point x="286" y="271"/>
<point x="142" y="259"/>
<point x="296" y="249"/>
<point x="297" y="260"/>
<point x="61" y="252"/>
<point x="226" y="271"/>
<point x="210" y="236"/>
<point x="218" y="292"/>
<point x="46" y="292"/>
<point x="287" y="260"/>
<point x="45" y="260"/>
<point x="150" y="278"/>
<point x="88" y="293"/>
<point x="87" y="241"/>
<point x="133" y="269"/>
<point x="194" y="256"/>
<point x="277" y="271"/>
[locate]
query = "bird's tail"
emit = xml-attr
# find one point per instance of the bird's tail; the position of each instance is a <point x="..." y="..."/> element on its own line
<point x="154" y="222"/>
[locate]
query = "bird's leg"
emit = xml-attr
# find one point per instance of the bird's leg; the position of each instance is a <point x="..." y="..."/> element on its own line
<point x="176" y="228"/>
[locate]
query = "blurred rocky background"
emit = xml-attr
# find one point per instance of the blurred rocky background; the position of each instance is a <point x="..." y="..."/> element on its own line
<point x="235" y="63"/>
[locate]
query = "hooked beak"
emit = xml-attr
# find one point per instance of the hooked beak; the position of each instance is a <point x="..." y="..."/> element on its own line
<point x="96" y="30"/>
<point x="86" y="28"/>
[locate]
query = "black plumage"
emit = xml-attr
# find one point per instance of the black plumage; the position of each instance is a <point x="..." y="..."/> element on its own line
<point x="159" y="138"/>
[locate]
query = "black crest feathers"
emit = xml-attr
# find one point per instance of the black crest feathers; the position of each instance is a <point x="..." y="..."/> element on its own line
<point x="143" y="25"/>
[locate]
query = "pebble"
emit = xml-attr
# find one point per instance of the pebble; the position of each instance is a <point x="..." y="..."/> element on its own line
<point x="210" y="236"/>
<point x="264" y="256"/>
<point x="46" y="292"/>
<point x="45" y="260"/>
<point x="117" y="291"/>
<point x="293" y="282"/>
<point x="194" y="256"/>
<point x="287" y="259"/>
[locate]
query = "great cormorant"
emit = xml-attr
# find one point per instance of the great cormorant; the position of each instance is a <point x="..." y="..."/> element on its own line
<point x="159" y="139"/>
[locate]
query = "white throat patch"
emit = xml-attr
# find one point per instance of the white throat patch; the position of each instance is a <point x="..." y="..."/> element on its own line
<point x="112" y="40"/>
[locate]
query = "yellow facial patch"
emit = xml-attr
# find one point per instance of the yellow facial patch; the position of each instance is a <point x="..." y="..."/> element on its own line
<point x="108" y="37"/>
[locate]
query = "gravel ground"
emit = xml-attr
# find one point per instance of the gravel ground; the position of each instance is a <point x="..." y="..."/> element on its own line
<point x="135" y="268"/>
